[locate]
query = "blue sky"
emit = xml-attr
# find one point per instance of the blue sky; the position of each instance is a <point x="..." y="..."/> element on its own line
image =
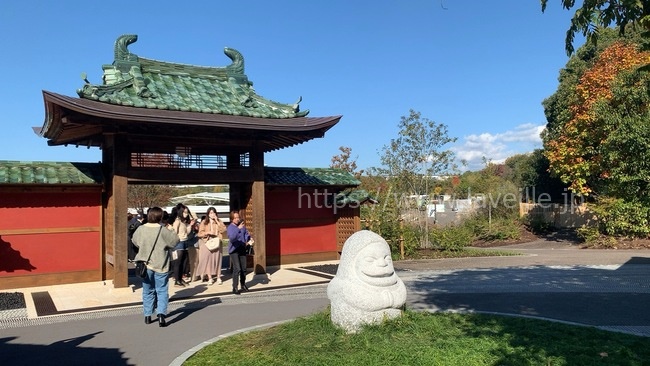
<point x="482" y="68"/>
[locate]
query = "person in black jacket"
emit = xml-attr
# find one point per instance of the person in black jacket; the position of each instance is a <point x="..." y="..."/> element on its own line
<point x="133" y="225"/>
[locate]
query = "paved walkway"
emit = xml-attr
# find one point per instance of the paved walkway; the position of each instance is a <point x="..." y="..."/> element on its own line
<point x="552" y="280"/>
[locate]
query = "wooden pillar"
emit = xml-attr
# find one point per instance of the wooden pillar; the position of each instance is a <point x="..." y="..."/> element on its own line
<point x="234" y="190"/>
<point x="116" y="160"/>
<point x="259" y="209"/>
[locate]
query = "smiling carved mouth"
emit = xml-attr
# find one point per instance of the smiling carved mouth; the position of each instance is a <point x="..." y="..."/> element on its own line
<point x="380" y="275"/>
<point x="381" y="279"/>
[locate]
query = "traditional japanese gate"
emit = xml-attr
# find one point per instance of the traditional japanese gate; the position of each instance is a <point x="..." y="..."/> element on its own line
<point x="167" y="123"/>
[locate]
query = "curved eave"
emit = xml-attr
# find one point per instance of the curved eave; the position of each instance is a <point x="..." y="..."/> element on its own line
<point x="290" y="131"/>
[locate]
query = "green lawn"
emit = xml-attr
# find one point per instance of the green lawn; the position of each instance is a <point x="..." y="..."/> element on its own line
<point x="462" y="253"/>
<point x="420" y="338"/>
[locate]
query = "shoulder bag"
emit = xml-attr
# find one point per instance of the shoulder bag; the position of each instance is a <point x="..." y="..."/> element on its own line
<point x="141" y="266"/>
<point x="213" y="243"/>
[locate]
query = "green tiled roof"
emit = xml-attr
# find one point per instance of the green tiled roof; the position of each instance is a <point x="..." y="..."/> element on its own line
<point x="39" y="172"/>
<point x="358" y="196"/>
<point x="309" y="177"/>
<point x="144" y="83"/>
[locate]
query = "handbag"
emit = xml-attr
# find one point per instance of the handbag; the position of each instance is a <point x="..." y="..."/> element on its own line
<point x="249" y="249"/>
<point x="141" y="266"/>
<point x="213" y="243"/>
<point x="141" y="269"/>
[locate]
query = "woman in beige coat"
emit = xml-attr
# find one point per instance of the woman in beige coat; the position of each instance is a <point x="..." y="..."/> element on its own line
<point x="210" y="261"/>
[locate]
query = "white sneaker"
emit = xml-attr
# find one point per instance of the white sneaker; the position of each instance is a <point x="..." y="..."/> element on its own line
<point x="211" y="281"/>
<point x="219" y="282"/>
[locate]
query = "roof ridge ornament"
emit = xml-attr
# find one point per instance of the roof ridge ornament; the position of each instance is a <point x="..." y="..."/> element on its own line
<point x="237" y="65"/>
<point x="121" y="51"/>
<point x="141" y="82"/>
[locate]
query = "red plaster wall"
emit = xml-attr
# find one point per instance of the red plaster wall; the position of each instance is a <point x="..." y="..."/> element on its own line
<point x="299" y="221"/>
<point x="308" y="239"/>
<point x="45" y="233"/>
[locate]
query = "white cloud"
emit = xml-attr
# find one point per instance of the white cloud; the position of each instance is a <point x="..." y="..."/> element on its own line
<point x="497" y="147"/>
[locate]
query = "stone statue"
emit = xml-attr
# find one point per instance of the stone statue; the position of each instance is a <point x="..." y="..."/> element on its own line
<point x="366" y="289"/>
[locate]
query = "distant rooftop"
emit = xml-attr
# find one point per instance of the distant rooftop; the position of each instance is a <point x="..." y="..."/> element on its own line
<point x="43" y="172"/>
<point x="309" y="177"/>
<point x="39" y="172"/>
<point x="208" y="198"/>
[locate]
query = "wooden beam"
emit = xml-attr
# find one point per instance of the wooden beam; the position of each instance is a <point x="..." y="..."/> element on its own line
<point x="116" y="160"/>
<point x="259" y="209"/>
<point x="50" y="230"/>
<point x="188" y="176"/>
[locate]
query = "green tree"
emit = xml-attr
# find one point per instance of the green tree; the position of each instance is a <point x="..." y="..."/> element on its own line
<point x="499" y="194"/>
<point x="594" y="15"/>
<point x="416" y="154"/>
<point x="530" y="173"/>
<point x="625" y="167"/>
<point x="409" y="162"/>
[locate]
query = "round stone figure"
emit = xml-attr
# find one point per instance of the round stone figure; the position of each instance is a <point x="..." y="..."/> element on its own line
<point x="366" y="289"/>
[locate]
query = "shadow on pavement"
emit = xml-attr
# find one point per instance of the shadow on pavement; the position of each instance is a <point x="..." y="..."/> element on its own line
<point x="63" y="352"/>
<point x="593" y="295"/>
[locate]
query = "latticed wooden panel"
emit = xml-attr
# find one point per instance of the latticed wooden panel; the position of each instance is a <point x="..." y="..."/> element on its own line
<point x="347" y="224"/>
<point x="182" y="159"/>
<point x="247" y="213"/>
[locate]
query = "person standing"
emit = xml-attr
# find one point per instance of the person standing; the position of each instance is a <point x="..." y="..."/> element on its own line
<point x="238" y="236"/>
<point x="210" y="261"/>
<point x="192" y="251"/>
<point x="134" y="222"/>
<point x="182" y="223"/>
<point x="152" y="238"/>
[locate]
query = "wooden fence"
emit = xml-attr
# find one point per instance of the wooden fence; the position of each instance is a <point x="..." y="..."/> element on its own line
<point x="559" y="215"/>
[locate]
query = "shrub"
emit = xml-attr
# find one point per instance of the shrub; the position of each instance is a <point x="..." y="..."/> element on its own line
<point x="502" y="228"/>
<point x="412" y="239"/>
<point x="620" y="218"/>
<point x="499" y="229"/>
<point x="453" y="237"/>
<point x="588" y="233"/>
<point x="536" y="224"/>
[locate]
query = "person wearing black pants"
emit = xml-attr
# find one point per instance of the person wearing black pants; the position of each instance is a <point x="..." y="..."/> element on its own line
<point x="238" y="236"/>
<point x="182" y="223"/>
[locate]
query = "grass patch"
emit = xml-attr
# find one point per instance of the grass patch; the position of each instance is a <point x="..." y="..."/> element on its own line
<point x="462" y="253"/>
<point x="420" y="338"/>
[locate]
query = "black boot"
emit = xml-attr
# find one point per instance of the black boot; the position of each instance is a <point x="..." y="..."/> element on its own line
<point x="244" y="288"/>
<point x="147" y="319"/>
<point x="235" y="291"/>
<point x="161" y="321"/>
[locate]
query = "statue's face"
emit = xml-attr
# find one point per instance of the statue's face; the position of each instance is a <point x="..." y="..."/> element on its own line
<point x="374" y="265"/>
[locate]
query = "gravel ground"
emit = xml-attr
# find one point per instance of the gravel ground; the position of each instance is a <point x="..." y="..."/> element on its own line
<point x="12" y="300"/>
<point x="325" y="268"/>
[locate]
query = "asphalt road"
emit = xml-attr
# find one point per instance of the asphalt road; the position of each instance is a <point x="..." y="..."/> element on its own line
<point x="120" y="337"/>
<point x="605" y="289"/>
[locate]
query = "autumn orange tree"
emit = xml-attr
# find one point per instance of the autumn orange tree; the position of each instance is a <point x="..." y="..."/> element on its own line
<point x="597" y="138"/>
<point x="578" y="153"/>
<point x="345" y="161"/>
